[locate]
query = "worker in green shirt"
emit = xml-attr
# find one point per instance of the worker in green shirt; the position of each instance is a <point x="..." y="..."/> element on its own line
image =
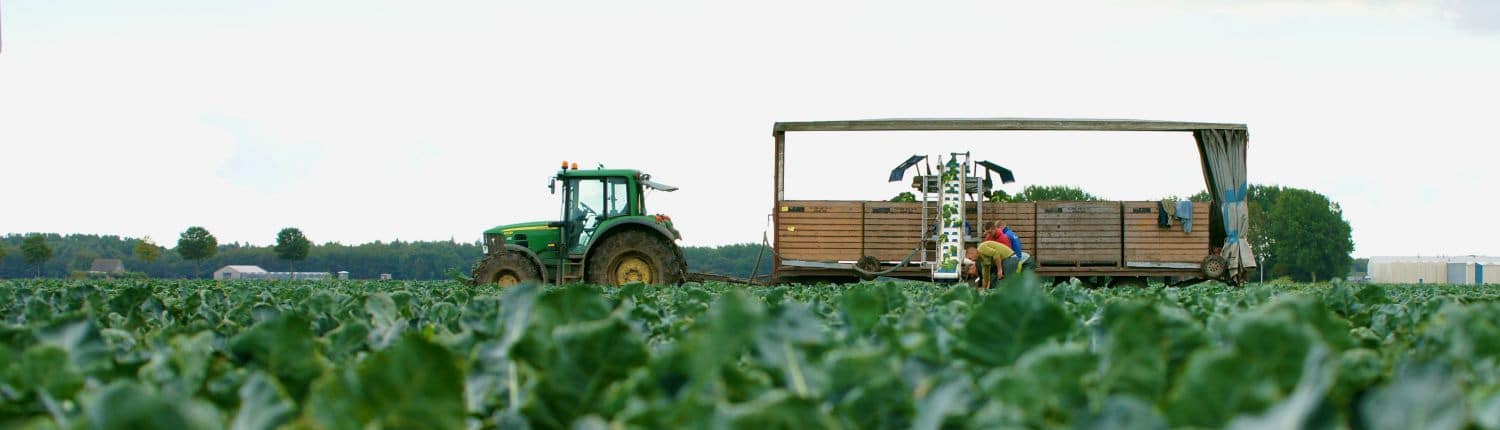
<point x="992" y="259"/>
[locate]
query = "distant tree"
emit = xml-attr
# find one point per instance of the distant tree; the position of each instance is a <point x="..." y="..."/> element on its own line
<point x="905" y="197"/>
<point x="1201" y="196"/>
<point x="146" y="250"/>
<point x="1361" y="265"/>
<point x="1000" y="196"/>
<point x="736" y="260"/>
<point x="1259" y="200"/>
<point x="35" y="251"/>
<point x="2" y="251"/>
<point x="196" y="244"/>
<point x="1308" y="237"/>
<point x="1037" y="193"/>
<point x="291" y="245"/>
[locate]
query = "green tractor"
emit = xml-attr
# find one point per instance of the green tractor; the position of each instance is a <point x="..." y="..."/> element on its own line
<point x="605" y="236"/>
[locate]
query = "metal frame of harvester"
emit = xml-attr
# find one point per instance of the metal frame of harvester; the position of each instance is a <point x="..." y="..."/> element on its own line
<point x="1090" y="240"/>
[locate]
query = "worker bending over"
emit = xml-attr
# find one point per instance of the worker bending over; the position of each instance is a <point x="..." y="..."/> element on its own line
<point x="994" y="261"/>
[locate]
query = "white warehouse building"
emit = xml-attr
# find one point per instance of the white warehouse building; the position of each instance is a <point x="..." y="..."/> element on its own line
<point x="1466" y="270"/>
<point x="240" y="272"/>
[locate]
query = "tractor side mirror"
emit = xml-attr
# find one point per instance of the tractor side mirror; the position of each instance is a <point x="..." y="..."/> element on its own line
<point x="552" y="186"/>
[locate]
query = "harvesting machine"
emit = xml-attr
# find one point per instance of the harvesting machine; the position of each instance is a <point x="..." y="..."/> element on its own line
<point x="1097" y="241"/>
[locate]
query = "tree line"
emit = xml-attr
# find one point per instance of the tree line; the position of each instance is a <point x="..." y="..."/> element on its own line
<point x="198" y="253"/>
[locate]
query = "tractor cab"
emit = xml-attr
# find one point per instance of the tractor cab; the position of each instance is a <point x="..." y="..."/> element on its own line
<point x="593" y="198"/>
<point x="603" y="222"/>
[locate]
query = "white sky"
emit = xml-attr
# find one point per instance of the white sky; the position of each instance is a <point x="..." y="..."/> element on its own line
<point x="377" y="120"/>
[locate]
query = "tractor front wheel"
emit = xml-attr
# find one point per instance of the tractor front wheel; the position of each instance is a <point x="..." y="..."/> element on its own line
<point x="506" y="268"/>
<point x="636" y="256"/>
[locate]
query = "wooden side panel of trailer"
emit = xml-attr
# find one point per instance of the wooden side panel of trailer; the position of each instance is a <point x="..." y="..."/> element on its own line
<point x="818" y="230"/>
<point x="892" y="229"/>
<point x="1021" y="217"/>
<point x="1078" y="234"/>
<point x="1147" y="242"/>
<point x="1057" y="234"/>
<point x="888" y="231"/>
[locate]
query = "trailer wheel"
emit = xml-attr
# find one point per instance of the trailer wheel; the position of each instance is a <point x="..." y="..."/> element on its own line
<point x="1215" y="267"/>
<point x="635" y="256"/>
<point x="506" y="268"/>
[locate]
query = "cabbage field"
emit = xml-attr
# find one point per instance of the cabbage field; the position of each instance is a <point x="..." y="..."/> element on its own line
<point x="443" y="355"/>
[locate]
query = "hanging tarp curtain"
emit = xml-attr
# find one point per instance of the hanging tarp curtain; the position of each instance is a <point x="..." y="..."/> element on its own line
<point x="1223" y="153"/>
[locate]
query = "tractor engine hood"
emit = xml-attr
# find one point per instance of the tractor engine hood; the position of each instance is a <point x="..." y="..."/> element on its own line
<point x="510" y="229"/>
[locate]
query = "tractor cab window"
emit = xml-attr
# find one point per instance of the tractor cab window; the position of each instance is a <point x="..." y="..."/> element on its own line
<point x="587" y="197"/>
<point x="619" y="198"/>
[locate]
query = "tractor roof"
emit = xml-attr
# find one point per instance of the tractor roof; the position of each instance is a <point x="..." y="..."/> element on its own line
<point x="600" y="173"/>
<point x="1017" y="124"/>
<point x="617" y="173"/>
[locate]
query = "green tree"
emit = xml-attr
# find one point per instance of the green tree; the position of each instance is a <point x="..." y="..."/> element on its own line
<point x="196" y="244"/>
<point x="1258" y="201"/>
<point x="1000" y="196"/>
<point x="292" y="245"/>
<point x="1037" y="193"/>
<point x="35" y="251"/>
<point x="736" y="260"/>
<point x="1306" y="235"/>
<point x="1361" y="265"/>
<point x="2" y="251"/>
<point x="904" y="197"/>
<point x="146" y="250"/>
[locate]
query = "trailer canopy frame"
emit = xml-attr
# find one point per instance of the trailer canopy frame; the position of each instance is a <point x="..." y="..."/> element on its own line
<point x="1221" y="149"/>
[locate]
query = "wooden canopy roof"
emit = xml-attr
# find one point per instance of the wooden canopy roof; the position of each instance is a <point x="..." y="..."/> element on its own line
<point x="1013" y="124"/>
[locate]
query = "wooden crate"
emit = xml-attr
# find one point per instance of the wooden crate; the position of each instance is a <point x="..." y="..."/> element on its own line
<point x="892" y="230"/>
<point x="1078" y="234"/>
<point x="819" y="230"/>
<point x="1021" y="217"/>
<point x="1147" y="243"/>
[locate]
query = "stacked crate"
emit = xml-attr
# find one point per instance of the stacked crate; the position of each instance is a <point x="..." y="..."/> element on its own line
<point x="1147" y="243"/>
<point x="1078" y="234"/>
<point x="820" y="230"/>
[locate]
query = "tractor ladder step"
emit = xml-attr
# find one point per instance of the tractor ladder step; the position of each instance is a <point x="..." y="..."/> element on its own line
<point x="572" y="271"/>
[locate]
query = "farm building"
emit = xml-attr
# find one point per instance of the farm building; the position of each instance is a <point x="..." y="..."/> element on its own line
<point x="107" y="266"/>
<point x="1466" y="270"/>
<point x="300" y="276"/>
<point x="235" y="272"/>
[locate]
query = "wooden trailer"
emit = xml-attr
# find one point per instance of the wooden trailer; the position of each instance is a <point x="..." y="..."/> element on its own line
<point x="849" y="239"/>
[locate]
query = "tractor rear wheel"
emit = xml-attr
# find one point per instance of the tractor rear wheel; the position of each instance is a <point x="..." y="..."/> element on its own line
<point x="506" y="268"/>
<point x="636" y="256"/>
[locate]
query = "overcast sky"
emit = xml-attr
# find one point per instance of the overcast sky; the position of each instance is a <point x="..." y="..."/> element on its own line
<point x="428" y="120"/>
